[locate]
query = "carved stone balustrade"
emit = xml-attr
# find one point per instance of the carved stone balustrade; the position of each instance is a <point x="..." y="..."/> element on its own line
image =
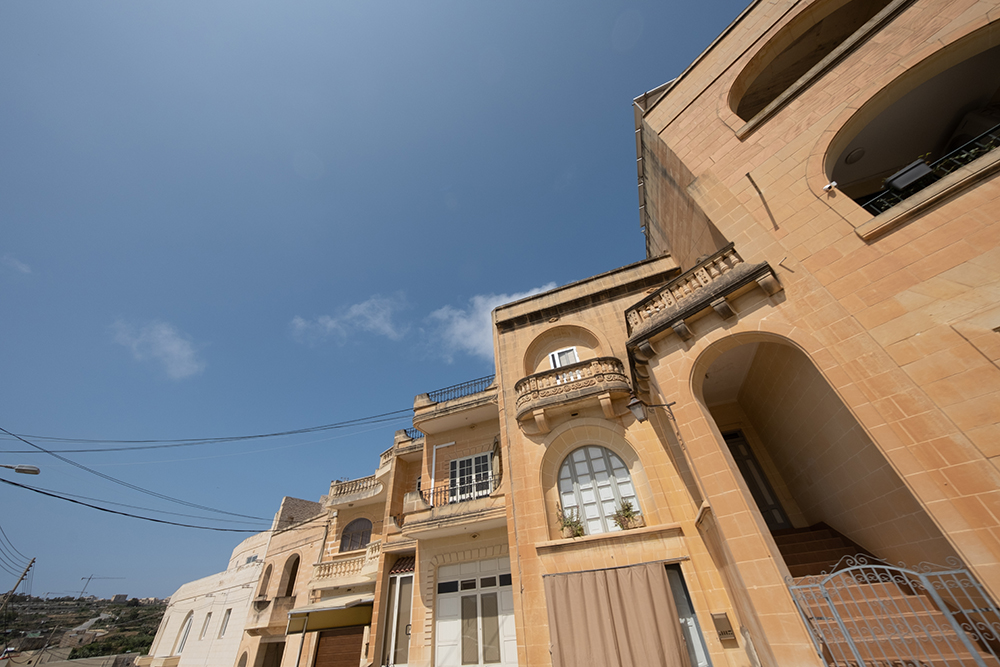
<point x="353" y="486"/>
<point x="601" y="378"/>
<point x="354" y="567"/>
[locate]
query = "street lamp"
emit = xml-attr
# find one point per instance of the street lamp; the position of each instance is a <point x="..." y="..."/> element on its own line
<point x="23" y="469"/>
<point x="638" y="408"/>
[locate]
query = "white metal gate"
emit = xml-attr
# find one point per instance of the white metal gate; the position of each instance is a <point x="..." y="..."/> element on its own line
<point x="867" y="613"/>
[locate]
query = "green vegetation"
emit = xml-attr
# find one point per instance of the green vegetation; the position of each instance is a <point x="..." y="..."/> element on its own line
<point x="127" y="627"/>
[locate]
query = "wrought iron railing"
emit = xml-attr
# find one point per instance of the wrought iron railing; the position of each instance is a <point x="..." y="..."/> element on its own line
<point x="470" y="488"/>
<point x="413" y="433"/>
<point x="954" y="160"/>
<point x="461" y="390"/>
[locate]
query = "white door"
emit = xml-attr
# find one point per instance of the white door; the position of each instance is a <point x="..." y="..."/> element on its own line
<point x="474" y="622"/>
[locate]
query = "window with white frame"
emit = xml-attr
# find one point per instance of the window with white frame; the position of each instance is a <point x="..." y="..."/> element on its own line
<point x="563" y="357"/>
<point x="470" y="478"/>
<point x="204" y="627"/>
<point x="593" y="482"/>
<point x="185" y="630"/>
<point x="474" y="623"/>
<point x="225" y="623"/>
<point x="356" y="535"/>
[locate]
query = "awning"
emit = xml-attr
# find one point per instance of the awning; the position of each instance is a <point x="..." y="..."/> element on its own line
<point x="338" y="612"/>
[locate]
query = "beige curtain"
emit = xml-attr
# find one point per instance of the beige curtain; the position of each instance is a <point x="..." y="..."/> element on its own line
<point x="619" y="617"/>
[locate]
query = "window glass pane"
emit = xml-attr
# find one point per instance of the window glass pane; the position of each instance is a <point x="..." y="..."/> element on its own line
<point x="448" y="587"/>
<point x="487" y="582"/>
<point x="402" y="652"/>
<point x="225" y="622"/>
<point x="697" y="651"/>
<point x="204" y="628"/>
<point x="491" y="628"/>
<point x="470" y="631"/>
<point x="184" y="635"/>
<point x="505" y="580"/>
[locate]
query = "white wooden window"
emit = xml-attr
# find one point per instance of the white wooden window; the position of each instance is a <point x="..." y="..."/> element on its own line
<point x="563" y="357"/>
<point x="593" y="481"/>
<point x="470" y="478"/>
<point x="475" y="614"/>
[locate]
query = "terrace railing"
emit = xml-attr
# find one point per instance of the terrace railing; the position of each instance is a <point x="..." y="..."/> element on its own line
<point x="936" y="170"/>
<point x="461" y="390"/>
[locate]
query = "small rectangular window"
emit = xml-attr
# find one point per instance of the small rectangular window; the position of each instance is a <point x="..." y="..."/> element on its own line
<point x="563" y="357"/>
<point x="225" y="623"/>
<point x="469" y="585"/>
<point x="487" y="582"/>
<point x="448" y="587"/>
<point x="505" y="580"/>
<point x="204" y="628"/>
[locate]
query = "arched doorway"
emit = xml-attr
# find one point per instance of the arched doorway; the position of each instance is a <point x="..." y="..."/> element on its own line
<point x="805" y="460"/>
<point x="842" y="520"/>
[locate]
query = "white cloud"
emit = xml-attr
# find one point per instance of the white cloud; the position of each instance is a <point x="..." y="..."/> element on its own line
<point x="16" y="264"/>
<point x="374" y="315"/>
<point x="163" y="343"/>
<point x="470" y="329"/>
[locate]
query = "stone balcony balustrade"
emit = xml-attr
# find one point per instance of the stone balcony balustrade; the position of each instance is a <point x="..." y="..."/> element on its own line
<point x="599" y="379"/>
<point x="351" y="566"/>
<point x="363" y="490"/>
<point x="268" y="617"/>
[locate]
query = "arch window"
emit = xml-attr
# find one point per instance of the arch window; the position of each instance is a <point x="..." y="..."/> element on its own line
<point x="357" y="535"/>
<point x="185" y="631"/>
<point x="291" y="572"/>
<point x="265" y="582"/>
<point x="593" y="482"/>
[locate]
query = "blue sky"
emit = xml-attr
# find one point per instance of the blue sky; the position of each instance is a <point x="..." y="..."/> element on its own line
<point x="231" y="218"/>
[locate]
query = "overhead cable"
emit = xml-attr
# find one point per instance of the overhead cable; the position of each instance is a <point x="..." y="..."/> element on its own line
<point x="126" y="484"/>
<point x="190" y="442"/>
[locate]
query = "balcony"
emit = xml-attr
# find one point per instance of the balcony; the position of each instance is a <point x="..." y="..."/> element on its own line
<point x="456" y="406"/>
<point x="599" y="380"/>
<point x="351" y="568"/>
<point x="269" y="617"/>
<point x="708" y="286"/>
<point x="451" y="510"/>
<point x="901" y="188"/>
<point x="356" y="491"/>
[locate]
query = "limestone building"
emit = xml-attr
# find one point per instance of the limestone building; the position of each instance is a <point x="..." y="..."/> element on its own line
<point x="773" y="441"/>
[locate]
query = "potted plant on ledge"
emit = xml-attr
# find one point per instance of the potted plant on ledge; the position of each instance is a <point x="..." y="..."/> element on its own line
<point x="570" y="522"/>
<point x="627" y="516"/>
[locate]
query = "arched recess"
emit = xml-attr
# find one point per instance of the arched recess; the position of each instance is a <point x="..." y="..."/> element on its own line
<point x="580" y="433"/>
<point x="243" y="660"/>
<point x="265" y="581"/>
<point x="931" y="110"/>
<point x="795" y="49"/>
<point x="803" y="459"/>
<point x="587" y="343"/>
<point x="183" y="634"/>
<point x="286" y="588"/>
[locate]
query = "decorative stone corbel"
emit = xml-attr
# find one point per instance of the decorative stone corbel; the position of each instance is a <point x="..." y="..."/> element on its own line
<point x="540" y="421"/>
<point x="605" y="400"/>
<point x="722" y="307"/>
<point x="769" y="284"/>
<point x="682" y="330"/>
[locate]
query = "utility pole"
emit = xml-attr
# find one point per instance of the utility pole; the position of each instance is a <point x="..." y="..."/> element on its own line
<point x="9" y="595"/>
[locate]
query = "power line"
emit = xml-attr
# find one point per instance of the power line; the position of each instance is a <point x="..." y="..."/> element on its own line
<point x="136" y="507"/>
<point x="124" y="483"/>
<point x="11" y="544"/>
<point x="191" y="442"/>
<point x="134" y="516"/>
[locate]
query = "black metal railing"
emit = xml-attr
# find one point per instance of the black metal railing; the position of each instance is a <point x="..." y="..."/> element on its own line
<point x="413" y="433"/>
<point x="469" y="488"/>
<point x="460" y="390"/>
<point x="954" y="160"/>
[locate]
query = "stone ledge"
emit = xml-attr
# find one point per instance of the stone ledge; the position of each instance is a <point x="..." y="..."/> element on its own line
<point x="619" y="536"/>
